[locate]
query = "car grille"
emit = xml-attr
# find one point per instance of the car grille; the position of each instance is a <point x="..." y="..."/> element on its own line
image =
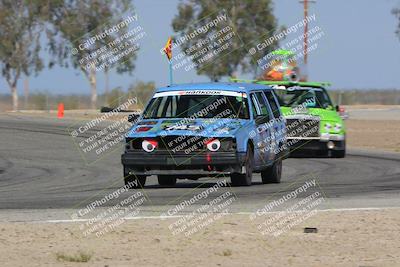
<point x="302" y="128"/>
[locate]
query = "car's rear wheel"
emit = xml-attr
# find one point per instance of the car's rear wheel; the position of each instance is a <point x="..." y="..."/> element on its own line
<point x="166" y="180"/>
<point x="273" y="173"/>
<point x="244" y="179"/>
<point x="133" y="181"/>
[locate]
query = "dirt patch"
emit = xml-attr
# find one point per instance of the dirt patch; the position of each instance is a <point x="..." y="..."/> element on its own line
<point x="382" y="135"/>
<point x="347" y="238"/>
<point x="70" y="114"/>
<point x="351" y="107"/>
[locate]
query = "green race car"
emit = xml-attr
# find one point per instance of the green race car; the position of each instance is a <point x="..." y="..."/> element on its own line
<point x="312" y="121"/>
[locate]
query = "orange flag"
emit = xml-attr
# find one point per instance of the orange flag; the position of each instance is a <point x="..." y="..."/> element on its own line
<point x="168" y="48"/>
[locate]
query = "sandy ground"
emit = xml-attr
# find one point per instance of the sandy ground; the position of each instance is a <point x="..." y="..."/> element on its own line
<point x="373" y="127"/>
<point x="352" y="107"/>
<point x="374" y="134"/>
<point x="344" y="238"/>
<point x="70" y="114"/>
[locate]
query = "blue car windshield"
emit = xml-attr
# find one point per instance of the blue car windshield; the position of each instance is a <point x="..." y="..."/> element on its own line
<point x="197" y="106"/>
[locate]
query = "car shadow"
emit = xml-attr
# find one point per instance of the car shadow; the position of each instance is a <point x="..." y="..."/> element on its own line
<point x="197" y="184"/>
<point x="308" y="155"/>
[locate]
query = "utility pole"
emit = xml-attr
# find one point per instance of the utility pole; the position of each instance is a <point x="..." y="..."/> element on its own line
<point x="305" y="42"/>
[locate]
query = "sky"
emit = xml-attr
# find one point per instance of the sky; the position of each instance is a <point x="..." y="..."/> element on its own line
<point x="358" y="50"/>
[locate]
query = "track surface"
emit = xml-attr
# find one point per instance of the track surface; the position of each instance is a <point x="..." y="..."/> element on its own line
<point x="41" y="168"/>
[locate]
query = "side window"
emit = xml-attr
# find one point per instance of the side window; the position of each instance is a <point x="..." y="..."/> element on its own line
<point x="151" y="111"/>
<point x="262" y="104"/>
<point x="255" y="107"/>
<point x="273" y="104"/>
<point x="171" y="108"/>
<point x="162" y="108"/>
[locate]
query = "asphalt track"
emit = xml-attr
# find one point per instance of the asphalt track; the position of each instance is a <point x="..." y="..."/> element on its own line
<point x="41" y="169"/>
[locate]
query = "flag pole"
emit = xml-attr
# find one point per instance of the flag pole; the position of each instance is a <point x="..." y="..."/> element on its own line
<point x="168" y="52"/>
<point x="170" y="73"/>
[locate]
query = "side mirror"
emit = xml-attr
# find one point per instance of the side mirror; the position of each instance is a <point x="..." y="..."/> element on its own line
<point x="340" y="109"/>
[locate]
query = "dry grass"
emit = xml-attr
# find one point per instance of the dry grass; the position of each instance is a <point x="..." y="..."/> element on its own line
<point x="79" y="257"/>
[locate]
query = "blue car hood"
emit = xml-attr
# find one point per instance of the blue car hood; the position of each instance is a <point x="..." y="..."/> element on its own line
<point x="197" y="127"/>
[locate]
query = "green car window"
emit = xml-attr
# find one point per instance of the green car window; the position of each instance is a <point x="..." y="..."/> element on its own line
<point x="310" y="97"/>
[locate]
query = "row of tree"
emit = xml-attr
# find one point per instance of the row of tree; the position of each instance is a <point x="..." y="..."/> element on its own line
<point x="25" y="24"/>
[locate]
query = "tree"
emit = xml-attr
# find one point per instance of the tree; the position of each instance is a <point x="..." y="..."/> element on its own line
<point x="143" y="91"/>
<point x="74" y="23"/>
<point x="252" y="21"/>
<point x="396" y="12"/>
<point x="20" y="27"/>
<point x="113" y="98"/>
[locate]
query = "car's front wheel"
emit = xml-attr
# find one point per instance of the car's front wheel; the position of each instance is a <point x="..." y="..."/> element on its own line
<point x="339" y="153"/>
<point x="166" y="180"/>
<point x="273" y="173"/>
<point x="134" y="181"/>
<point x="244" y="179"/>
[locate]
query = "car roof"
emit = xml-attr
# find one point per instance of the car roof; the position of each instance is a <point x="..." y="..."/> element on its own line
<point x="241" y="87"/>
<point x="288" y="84"/>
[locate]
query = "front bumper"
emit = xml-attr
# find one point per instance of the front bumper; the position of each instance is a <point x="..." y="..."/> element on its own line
<point x="164" y="162"/>
<point x="323" y="138"/>
<point x="315" y="145"/>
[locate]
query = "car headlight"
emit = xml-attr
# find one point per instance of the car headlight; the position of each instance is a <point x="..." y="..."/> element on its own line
<point x="328" y="126"/>
<point x="337" y="127"/>
<point x="149" y="145"/>
<point x="213" y="145"/>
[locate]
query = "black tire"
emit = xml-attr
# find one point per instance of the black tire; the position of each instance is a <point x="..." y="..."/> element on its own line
<point x="239" y="179"/>
<point x="134" y="181"/>
<point x="273" y="173"/>
<point x="339" y="153"/>
<point x="166" y="180"/>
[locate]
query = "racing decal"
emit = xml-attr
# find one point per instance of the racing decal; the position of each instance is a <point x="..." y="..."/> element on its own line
<point x="147" y="123"/>
<point x="143" y="129"/>
<point x="201" y="92"/>
<point x="169" y="121"/>
<point x="276" y="87"/>
<point x="300" y="110"/>
<point x="189" y="127"/>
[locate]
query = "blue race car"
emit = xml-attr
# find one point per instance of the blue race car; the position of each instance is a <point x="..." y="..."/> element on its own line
<point x="198" y="130"/>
